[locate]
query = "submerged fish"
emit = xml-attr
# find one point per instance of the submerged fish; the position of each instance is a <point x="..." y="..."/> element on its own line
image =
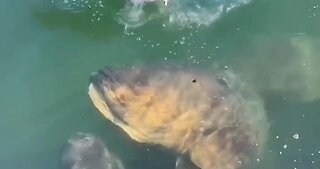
<point x="86" y="151"/>
<point x="199" y="114"/>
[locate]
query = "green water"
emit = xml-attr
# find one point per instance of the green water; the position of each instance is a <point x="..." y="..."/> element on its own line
<point x="48" y="52"/>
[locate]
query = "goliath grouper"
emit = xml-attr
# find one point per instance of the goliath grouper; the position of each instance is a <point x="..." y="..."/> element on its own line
<point x="207" y="116"/>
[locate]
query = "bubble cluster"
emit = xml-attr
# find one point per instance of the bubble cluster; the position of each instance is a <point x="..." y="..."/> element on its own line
<point x="314" y="11"/>
<point x="193" y="49"/>
<point x="93" y="7"/>
<point x="291" y="152"/>
<point x="183" y="13"/>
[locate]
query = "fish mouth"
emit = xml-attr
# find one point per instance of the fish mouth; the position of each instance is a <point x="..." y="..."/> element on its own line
<point x="104" y="78"/>
<point x="103" y="83"/>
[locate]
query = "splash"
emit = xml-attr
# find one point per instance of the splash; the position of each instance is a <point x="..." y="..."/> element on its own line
<point x="200" y="12"/>
<point x="132" y="15"/>
<point x="87" y="151"/>
<point x="184" y="13"/>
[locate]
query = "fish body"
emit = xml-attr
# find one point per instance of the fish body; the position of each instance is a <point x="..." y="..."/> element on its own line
<point x="191" y="111"/>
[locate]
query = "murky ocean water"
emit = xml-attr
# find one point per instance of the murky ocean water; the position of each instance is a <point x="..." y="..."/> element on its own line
<point x="48" y="50"/>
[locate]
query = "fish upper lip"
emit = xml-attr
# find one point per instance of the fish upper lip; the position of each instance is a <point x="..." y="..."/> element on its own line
<point x="94" y="77"/>
<point x="103" y="75"/>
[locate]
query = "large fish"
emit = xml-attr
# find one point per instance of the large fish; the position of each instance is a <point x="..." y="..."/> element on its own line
<point x="199" y="114"/>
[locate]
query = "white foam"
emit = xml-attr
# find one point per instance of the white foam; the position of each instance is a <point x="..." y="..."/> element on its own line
<point x="132" y="15"/>
<point x="187" y="13"/>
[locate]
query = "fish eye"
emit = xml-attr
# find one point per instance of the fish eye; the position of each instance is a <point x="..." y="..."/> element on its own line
<point x="194" y="81"/>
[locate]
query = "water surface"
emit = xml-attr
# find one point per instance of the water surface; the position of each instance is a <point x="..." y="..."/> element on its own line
<point x="49" y="49"/>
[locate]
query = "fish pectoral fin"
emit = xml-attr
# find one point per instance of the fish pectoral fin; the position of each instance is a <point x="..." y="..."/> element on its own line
<point x="184" y="162"/>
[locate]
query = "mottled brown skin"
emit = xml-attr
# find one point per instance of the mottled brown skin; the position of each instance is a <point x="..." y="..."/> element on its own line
<point x="186" y="110"/>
